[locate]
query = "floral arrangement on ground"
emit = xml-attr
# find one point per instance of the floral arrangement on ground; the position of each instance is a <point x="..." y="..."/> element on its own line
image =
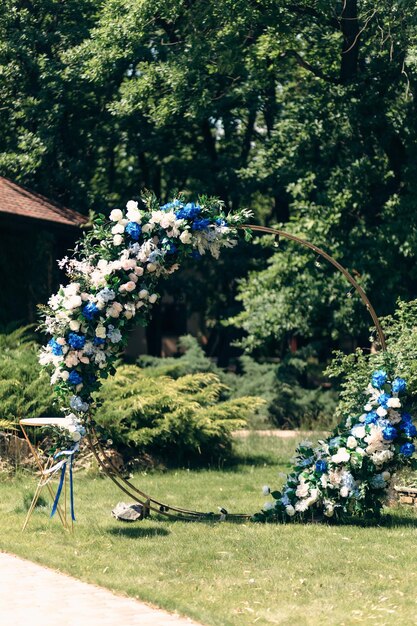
<point x="351" y="472"/>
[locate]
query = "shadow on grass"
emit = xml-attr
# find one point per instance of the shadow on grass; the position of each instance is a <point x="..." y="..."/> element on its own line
<point x="137" y="532"/>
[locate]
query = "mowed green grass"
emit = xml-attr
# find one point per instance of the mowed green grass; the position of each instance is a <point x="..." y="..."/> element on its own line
<point x="225" y="573"/>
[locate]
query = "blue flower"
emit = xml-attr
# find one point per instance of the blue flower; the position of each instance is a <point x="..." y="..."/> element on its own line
<point x="321" y="466"/>
<point x="410" y="430"/>
<point x="134" y="230"/>
<point x="56" y="348"/>
<point x="74" y="378"/>
<point x="371" y="418"/>
<point x="407" y="449"/>
<point x="399" y="385"/>
<point x="378" y="481"/>
<point x="171" y="205"/>
<point x="407" y="419"/>
<point x="76" y="341"/>
<point x="98" y="341"/>
<point x="189" y="212"/>
<point x="77" y="404"/>
<point x="90" y="311"/>
<point x="383" y="400"/>
<point x="200" y="224"/>
<point x="221" y="222"/>
<point x="379" y="378"/>
<point x="389" y="433"/>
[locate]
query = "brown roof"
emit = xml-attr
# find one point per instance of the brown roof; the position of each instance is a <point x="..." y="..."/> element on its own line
<point x="19" y="201"/>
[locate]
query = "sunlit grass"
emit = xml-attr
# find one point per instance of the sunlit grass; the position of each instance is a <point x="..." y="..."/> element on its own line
<point x="224" y="573"/>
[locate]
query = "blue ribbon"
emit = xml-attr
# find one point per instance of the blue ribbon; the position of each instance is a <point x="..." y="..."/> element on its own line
<point x="61" y="483"/>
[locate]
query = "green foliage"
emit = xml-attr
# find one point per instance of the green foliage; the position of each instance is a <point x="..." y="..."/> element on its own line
<point x="302" y="111"/>
<point x="182" y="420"/>
<point x="25" y="390"/>
<point x="291" y="388"/>
<point x="354" y="370"/>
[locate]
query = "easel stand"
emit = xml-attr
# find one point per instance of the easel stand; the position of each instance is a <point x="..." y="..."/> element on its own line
<point x="45" y="475"/>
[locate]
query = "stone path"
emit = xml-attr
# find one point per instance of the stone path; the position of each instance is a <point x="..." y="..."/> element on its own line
<point x="37" y="596"/>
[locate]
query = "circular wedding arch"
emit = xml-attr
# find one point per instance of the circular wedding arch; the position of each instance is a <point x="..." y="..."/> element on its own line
<point x="175" y="512"/>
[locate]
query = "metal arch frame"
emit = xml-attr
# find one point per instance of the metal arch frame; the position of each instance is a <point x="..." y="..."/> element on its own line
<point x="177" y="513"/>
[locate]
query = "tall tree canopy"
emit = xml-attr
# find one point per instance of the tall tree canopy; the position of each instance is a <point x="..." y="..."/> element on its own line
<point x="303" y="111"/>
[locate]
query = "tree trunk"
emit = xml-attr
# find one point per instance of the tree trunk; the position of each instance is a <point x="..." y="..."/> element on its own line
<point x="349" y="25"/>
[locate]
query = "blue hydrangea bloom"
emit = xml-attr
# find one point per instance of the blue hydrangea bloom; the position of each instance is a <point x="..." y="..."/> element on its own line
<point x="378" y="482"/>
<point x="406" y="418"/>
<point x="171" y="205"/>
<point x="389" y="433"/>
<point x="74" y="378"/>
<point x="98" y="341"/>
<point x="221" y="222"/>
<point x="200" y="224"/>
<point x="56" y="348"/>
<point x="133" y="230"/>
<point x="410" y="430"/>
<point x="76" y="341"/>
<point x="407" y="449"/>
<point x="398" y="385"/>
<point x="379" y="378"/>
<point x="90" y="311"/>
<point x="189" y="211"/>
<point x="383" y="400"/>
<point x="371" y="418"/>
<point x="321" y="466"/>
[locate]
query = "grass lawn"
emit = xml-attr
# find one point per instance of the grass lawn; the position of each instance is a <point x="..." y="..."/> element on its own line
<point x="224" y="573"/>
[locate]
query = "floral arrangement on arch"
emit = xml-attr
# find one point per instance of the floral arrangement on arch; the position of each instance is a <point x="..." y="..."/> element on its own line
<point x="351" y="472"/>
<point x="113" y="279"/>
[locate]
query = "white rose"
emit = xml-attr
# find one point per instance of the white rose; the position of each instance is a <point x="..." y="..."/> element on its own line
<point x="133" y="277"/>
<point x="118" y="229"/>
<point x="266" y="490"/>
<point x="130" y="286"/>
<point x="394" y="403"/>
<point x="268" y="506"/>
<point x="128" y="264"/>
<point x="138" y="271"/>
<point x="73" y="302"/>
<point x="116" y="215"/>
<point x="132" y="205"/>
<point x="147" y="228"/>
<point x="341" y="456"/>
<point x="133" y="215"/>
<point x="344" y="492"/>
<point x="101" y="332"/>
<point x="117" y="240"/>
<point x="114" y="310"/>
<point x="151" y="267"/>
<point x="386" y="476"/>
<point x="368" y="407"/>
<point x="139" y="304"/>
<point x="76" y="436"/>
<point x="290" y="510"/>
<point x="186" y="237"/>
<point x="359" y="432"/>
<point x="329" y="511"/>
<point x="74" y="325"/>
<point x="143" y="293"/>
<point x="381" y="411"/>
<point x="64" y="375"/>
<point x="153" y="298"/>
<point x="351" y="442"/>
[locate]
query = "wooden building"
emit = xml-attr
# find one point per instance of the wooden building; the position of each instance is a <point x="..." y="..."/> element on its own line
<point x="34" y="233"/>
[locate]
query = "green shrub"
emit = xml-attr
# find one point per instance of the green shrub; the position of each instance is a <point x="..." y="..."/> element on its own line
<point x="25" y="390"/>
<point x="291" y="390"/>
<point x="183" y="420"/>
